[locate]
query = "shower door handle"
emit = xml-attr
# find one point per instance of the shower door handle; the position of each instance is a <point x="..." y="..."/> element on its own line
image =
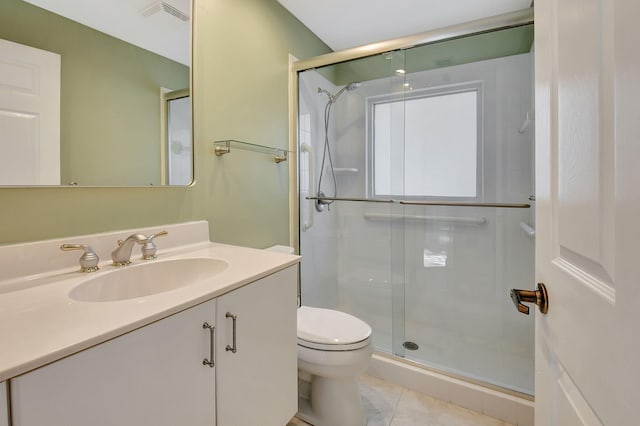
<point x="539" y="297"/>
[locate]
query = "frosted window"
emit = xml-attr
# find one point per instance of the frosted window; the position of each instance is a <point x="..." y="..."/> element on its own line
<point x="426" y="146"/>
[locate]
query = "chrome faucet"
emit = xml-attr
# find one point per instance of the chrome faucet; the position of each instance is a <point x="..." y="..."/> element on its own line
<point x="122" y="255"/>
<point x="88" y="261"/>
<point x="149" y="248"/>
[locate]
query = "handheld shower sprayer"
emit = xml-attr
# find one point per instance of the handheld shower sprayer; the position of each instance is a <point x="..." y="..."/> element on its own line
<point x="326" y="153"/>
<point x="350" y="86"/>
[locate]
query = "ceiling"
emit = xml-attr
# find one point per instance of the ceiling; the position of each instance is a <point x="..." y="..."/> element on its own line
<point x="160" y="32"/>
<point x="343" y="24"/>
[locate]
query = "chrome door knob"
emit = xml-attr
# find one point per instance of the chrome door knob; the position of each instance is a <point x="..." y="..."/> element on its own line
<point x="539" y="297"/>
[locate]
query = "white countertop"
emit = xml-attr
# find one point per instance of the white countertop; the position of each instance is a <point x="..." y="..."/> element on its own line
<point x="40" y="324"/>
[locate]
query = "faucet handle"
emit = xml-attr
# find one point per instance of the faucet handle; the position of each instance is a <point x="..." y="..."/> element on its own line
<point x="88" y="261"/>
<point x="149" y="248"/>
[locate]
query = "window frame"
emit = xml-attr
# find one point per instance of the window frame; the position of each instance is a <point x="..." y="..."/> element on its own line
<point x="443" y="90"/>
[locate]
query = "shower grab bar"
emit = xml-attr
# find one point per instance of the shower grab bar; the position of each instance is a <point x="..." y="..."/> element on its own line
<point x="305" y="147"/>
<point x="528" y="229"/>
<point x="426" y="203"/>
<point x="450" y="219"/>
<point x="454" y="204"/>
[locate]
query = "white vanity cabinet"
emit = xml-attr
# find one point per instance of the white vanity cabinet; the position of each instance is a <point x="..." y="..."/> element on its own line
<point x="4" y="408"/>
<point x="257" y="384"/>
<point x="151" y="376"/>
<point x="155" y="375"/>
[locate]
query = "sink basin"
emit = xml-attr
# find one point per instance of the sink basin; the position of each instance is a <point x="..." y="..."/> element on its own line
<point x="147" y="279"/>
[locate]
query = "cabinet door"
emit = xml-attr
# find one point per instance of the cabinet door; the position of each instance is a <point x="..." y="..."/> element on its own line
<point x="151" y="376"/>
<point x="4" y="409"/>
<point x="257" y="385"/>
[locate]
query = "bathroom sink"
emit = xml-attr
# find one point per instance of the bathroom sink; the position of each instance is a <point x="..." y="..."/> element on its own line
<point x="146" y="279"/>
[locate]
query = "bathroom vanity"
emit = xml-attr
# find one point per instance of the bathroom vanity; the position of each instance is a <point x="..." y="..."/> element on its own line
<point x="218" y="350"/>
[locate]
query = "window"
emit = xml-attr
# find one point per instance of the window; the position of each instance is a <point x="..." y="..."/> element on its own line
<point x="427" y="143"/>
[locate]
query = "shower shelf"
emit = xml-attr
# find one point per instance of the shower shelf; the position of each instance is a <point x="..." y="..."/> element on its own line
<point x="224" y="147"/>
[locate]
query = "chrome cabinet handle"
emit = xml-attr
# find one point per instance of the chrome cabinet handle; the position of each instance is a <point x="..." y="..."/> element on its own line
<point x="233" y="317"/>
<point x="539" y="297"/>
<point x="211" y="363"/>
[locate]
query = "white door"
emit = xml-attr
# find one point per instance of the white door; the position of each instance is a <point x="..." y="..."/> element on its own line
<point x="178" y="134"/>
<point x="588" y="211"/>
<point x="29" y="115"/>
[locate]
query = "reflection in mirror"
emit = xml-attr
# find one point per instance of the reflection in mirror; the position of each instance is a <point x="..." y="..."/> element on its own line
<point x="95" y="93"/>
<point x="177" y="138"/>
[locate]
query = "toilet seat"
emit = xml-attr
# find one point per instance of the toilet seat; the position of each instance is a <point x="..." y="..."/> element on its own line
<point x="330" y="330"/>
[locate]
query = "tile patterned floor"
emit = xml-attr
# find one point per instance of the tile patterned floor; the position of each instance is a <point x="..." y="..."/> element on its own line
<point x="391" y="405"/>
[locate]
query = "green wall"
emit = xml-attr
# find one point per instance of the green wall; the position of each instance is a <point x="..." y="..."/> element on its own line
<point x="240" y="91"/>
<point x="107" y="86"/>
<point x="479" y="47"/>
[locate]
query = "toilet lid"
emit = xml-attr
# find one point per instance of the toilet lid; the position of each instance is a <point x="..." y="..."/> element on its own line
<point x="330" y="328"/>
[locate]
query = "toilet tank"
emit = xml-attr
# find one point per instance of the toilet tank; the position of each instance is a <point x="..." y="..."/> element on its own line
<point x="281" y="249"/>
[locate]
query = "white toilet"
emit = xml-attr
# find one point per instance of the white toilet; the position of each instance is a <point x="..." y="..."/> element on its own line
<point x="333" y="349"/>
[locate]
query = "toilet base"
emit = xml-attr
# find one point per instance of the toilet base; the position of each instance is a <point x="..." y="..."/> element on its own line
<point x="333" y="402"/>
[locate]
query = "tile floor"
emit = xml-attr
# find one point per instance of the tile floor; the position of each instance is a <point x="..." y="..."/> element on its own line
<point x="391" y="405"/>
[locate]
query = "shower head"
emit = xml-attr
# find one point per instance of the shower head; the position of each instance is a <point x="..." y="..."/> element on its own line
<point x="353" y="85"/>
<point x="350" y="86"/>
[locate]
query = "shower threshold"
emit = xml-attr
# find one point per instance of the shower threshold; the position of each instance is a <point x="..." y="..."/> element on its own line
<point x="446" y="375"/>
<point x="505" y="404"/>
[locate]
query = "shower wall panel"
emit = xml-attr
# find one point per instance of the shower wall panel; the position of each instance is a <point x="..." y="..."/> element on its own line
<point x="319" y="243"/>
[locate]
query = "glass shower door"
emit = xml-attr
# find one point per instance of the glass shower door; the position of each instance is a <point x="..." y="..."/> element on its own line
<point x="440" y="123"/>
<point x="385" y="140"/>
<point x="464" y="144"/>
<point x="352" y="250"/>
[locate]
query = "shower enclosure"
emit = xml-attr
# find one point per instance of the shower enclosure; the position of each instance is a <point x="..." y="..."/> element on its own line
<point x="416" y="207"/>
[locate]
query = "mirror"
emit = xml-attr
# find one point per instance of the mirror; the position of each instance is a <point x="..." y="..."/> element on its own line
<point x="95" y="93"/>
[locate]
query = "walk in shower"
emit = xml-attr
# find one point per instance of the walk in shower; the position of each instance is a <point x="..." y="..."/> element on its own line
<point x="416" y="207"/>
